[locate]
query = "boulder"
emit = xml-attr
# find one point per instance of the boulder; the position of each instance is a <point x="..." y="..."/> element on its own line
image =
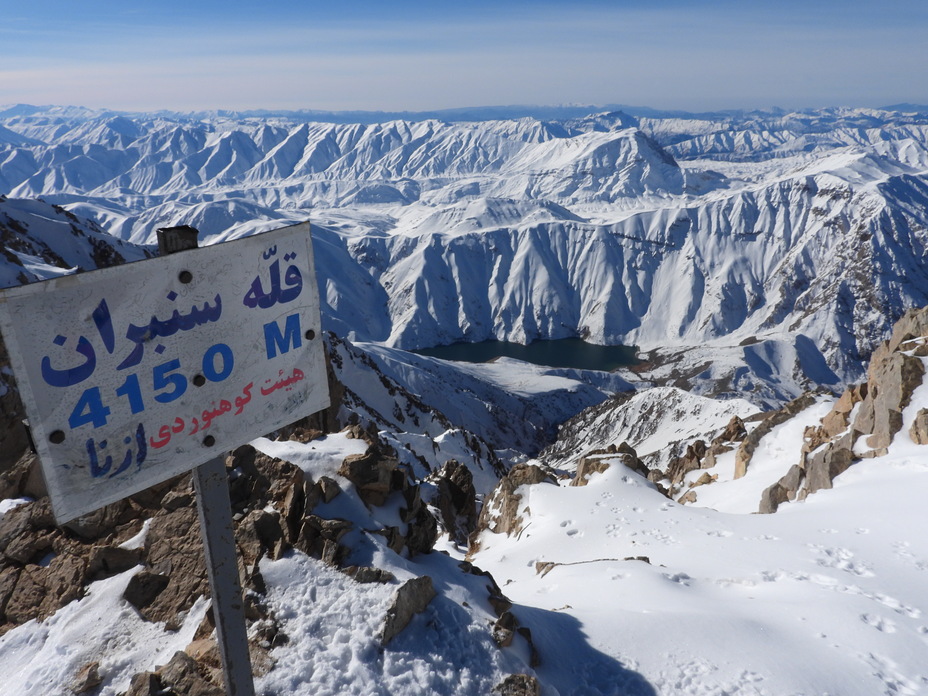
<point x="826" y="464"/>
<point x="734" y="431"/>
<point x="587" y="466"/>
<point x="598" y="460"/>
<point x="182" y="676"/>
<point x="518" y="685"/>
<point x="106" y="561"/>
<point x="87" y="678"/>
<point x="371" y="473"/>
<point x="500" y="513"/>
<point x="410" y="598"/>
<point x="144" y="588"/>
<point x="691" y="460"/>
<point x="785" y="489"/>
<point x="367" y="574"/>
<point x="145" y="684"/>
<point x="919" y="429"/>
<point x="891" y="379"/>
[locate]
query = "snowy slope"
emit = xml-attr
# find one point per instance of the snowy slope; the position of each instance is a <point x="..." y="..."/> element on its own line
<point x="824" y="597"/>
<point x="41" y="241"/>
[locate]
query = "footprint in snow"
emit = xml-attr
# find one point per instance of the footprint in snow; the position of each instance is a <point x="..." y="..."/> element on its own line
<point x="842" y="559"/>
<point x="679" y="578"/>
<point x="879" y="623"/>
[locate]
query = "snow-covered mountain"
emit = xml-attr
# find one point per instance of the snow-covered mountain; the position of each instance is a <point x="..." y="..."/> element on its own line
<point x="747" y="254"/>
<point x="785" y="242"/>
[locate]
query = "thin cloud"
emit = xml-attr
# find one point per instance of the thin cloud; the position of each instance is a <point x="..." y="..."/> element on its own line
<point x="670" y="57"/>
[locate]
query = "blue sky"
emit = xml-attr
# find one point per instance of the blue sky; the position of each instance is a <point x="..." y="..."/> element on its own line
<point x="380" y="55"/>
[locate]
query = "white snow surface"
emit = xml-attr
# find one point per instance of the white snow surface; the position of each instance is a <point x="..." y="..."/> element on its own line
<point x="824" y="597"/>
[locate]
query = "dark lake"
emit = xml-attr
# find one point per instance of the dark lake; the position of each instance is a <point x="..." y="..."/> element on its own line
<point x="563" y="352"/>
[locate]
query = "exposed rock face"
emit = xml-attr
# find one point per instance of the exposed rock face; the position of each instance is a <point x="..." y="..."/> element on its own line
<point x="371" y="473"/>
<point x="457" y="500"/>
<point x="896" y="370"/>
<point x="598" y="460"/>
<point x="179" y="676"/>
<point x="500" y="513"/>
<point x="410" y="598"/>
<point x="919" y="429"/>
<point x="783" y="490"/>
<point x="690" y="461"/>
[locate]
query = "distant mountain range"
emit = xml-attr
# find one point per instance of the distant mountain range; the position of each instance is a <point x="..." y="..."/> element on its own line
<point x="750" y="253"/>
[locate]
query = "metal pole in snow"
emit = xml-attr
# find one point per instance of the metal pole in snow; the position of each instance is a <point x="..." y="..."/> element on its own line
<point x="215" y="511"/>
<point x="212" y="486"/>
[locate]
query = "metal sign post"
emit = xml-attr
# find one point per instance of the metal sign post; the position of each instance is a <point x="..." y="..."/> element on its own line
<point x="212" y="486"/>
<point x="134" y="374"/>
<point x="214" y="509"/>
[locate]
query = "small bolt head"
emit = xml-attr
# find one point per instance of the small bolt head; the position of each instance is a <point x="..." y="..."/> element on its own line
<point x="185" y="277"/>
<point x="199" y="380"/>
<point x="310" y="335"/>
<point x="56" y="437"/>
<point x="209" y="441"/>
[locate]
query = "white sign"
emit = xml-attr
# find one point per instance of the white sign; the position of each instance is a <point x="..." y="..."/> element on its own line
<point x="134" y="374"/>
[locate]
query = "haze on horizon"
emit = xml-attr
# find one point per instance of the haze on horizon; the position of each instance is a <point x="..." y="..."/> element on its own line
<point x="416" y="55"/>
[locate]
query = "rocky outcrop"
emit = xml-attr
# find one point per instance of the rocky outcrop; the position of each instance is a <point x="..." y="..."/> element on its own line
<point x="501" y="513"/>
<point x="182" y="675"/>
<point x="507" y="626"/>
<point x="456" y="499"/>
<point x="598" y="460"/>
<point x="866" y="418"/>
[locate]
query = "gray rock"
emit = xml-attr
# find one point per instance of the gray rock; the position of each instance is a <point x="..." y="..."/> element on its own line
<point x="826" y="464"/>
<point x="518" y="685"/>
<point x="500" y="513"/>
<point x="144" y="587"/>
<point x="410" y="598"/>
<point x="919" y="429"/>
<point x="456" y="500"/>
<point x="182" y="676"/>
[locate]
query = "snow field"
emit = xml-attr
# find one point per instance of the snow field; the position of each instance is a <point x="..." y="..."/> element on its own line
<point x="826" y="596"/>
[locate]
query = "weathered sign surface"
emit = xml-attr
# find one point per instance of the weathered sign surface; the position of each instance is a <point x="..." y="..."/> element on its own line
<point x="134" y="374"/>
